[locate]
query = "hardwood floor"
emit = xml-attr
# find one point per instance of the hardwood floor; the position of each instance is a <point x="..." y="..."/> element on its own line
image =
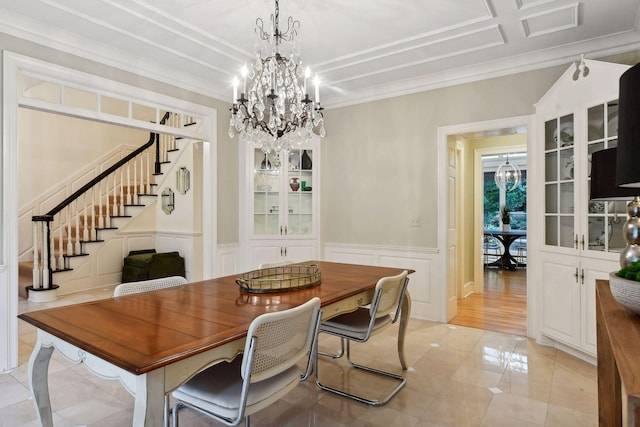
<point x="501" y="308"/>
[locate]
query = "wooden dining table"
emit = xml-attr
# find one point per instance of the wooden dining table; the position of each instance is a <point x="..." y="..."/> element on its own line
<point x="155" y="341"/>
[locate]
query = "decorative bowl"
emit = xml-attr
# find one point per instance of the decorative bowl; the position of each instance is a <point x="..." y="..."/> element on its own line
<point x="626" y="292"/>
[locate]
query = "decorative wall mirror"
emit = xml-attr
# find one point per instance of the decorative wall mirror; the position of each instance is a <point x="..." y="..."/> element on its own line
<point x="183" y="180"/>
<point x="167" y="201"/>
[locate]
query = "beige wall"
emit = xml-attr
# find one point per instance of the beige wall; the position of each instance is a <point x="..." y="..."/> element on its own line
<point x="44" y="156"/>
<point x="380" y="158"/>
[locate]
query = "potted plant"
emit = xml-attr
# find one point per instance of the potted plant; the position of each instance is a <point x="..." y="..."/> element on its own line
<point x="505" y="217"/>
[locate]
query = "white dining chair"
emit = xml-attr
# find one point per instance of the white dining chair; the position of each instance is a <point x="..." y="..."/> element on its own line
<point x="360" y="325"/>
<point x="148" y="285"/>
<point x="267" y="370"/>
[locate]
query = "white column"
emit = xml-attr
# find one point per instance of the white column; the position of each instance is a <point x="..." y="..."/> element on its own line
<point x="36" y="255"/>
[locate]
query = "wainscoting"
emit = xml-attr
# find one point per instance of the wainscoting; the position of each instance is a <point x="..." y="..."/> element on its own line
<point x="426" y="298"/>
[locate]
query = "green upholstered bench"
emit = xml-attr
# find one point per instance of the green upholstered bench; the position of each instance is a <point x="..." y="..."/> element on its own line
<point x="149" y="264"/>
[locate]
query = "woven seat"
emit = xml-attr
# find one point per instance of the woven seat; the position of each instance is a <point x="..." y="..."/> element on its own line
<point x="148" y="285"/>
<point x="361" y="324"/>
<point x="231" y="391"/>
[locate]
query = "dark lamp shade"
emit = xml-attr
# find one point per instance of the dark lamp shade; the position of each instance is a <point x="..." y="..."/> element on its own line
<point x="603" y="178"/>
<point x="628" y="158"/>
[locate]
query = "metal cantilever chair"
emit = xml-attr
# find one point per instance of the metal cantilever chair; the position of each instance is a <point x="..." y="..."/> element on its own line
<point x="148" y="285"/>
<point x="229" y="392"/>
<point x="361" y="324"/>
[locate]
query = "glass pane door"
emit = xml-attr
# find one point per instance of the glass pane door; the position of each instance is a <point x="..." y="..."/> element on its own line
<point x="266" y="194"/>
<point x="559" y="180"/>
<point x="604" y="219"/>
<point x="300" y="192"/>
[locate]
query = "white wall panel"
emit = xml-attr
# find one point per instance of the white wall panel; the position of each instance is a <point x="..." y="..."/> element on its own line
<point x="423" y="286"/>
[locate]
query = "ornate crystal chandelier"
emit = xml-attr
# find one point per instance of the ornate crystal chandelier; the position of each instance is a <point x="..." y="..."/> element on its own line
<point x="274" y="111"/>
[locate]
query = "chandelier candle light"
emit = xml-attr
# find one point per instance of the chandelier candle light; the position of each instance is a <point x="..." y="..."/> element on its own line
<point x="274" y="111"/>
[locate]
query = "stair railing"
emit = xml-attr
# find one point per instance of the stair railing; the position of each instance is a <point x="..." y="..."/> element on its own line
<point x="78" y="226"/>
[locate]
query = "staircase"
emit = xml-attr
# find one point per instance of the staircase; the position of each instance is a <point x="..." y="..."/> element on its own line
<point x="71" y="230"/>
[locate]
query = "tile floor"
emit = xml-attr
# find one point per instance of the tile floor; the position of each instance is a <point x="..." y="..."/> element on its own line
<point x="459" y="377"/>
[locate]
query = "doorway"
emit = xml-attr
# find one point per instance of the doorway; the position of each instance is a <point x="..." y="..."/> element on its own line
<point x="19" y="72"/>
<point x="473" y="269"/>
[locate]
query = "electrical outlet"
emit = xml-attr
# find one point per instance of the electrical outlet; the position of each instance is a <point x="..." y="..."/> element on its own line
<point x="416" y="222"/>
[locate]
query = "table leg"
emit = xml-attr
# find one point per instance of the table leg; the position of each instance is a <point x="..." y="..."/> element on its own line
<point x="404" y="321"/>
<point x="38" y="380"/>
<point x="148" y="408"/>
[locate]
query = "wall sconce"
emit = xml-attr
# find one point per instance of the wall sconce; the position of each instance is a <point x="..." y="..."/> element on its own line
<point x="167" y="201"/>
<point x="183" y="180"/>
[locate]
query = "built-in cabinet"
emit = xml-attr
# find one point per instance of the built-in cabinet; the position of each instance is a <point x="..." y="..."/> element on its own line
<point x="582" y="239"/>
<point x="279" y="210"/>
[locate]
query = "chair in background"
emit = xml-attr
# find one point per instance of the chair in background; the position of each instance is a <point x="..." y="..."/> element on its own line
<point x="520" y="246"/>
<point x="231" y="391"/>
<point x="492" y="249"/>
<point x="361" y="324"/>
<point x="148" y="285"/>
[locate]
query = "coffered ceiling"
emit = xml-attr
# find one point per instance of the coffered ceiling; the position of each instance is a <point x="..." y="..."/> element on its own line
<point x="361" y="49"/>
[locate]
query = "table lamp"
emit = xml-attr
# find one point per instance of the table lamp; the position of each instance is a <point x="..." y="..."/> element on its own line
<point x="604" y="188"/>
<point x="628" y="154"/>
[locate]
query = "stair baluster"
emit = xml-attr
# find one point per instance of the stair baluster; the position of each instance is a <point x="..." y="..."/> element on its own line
<point x="69" y="234"/>
<point x="85" y="229"/>
<point x="77" y="248"/>
<point x="147" y="189"/>
<point x="94" y="232"/>
<point x="60" y="263"/>
<point x="135" y="179"/>
<point x="141" y="190"/>
<point x="121" y="201"/>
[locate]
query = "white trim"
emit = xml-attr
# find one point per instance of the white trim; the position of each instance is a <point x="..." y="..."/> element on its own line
<point x="9" y="218"/>
<point x="14" y="64"/>
<point x="443" y="133"/>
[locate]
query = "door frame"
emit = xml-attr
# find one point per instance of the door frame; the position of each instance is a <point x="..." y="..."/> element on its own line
<point x="444" y="132"/>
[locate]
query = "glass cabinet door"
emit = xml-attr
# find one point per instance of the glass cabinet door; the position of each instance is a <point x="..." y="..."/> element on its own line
<point x="266" y="194"/>
<point x="300" y="192"/>
<point x="604" y="218"/>
<point x="283" y="193"/>
<point x="559" y="159"/>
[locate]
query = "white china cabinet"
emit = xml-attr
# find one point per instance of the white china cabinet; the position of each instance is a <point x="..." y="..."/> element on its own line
<point x="279" y="219"/>
<point x="582" y="239"/>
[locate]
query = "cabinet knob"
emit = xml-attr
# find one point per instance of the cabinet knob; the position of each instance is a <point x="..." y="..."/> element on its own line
<point x="576" y="273"/>
<point x="575" y="241"/>
<point x="582" y="242"/>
